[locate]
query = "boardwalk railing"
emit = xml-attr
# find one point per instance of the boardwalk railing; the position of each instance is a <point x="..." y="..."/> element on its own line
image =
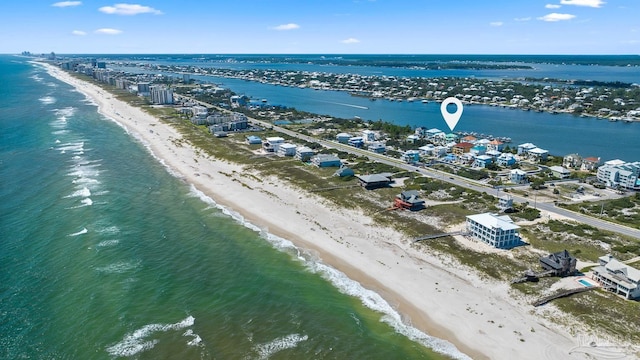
<point x="435" y="236"/>
<point x="560" y="294"/>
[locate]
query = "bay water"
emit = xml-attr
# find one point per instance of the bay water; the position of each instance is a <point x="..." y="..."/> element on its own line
<point x="105" y="254"/>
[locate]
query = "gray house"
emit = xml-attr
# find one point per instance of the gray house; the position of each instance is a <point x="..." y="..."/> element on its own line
<point x="561" y="263"/>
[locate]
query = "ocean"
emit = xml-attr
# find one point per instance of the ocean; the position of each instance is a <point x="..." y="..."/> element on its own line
<point x="105" y="254"/>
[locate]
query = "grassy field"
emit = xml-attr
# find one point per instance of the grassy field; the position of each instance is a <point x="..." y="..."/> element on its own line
<point x="625" y="210"/>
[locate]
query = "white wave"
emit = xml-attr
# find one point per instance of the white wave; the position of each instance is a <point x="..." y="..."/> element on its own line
<point x="76" y="146"/>
<point x="282" y="343"/>
<point x="136" y="342"/>
<point x="87" y="201"/>
<point x="83" y="231"/>
<point x="375" y="302"/>
<point x="346" y="285"/>
<point x="60" y="132"/>
<point x="36" y="78"/>
<point x="196" y="341"/>
<point x="85" y="180"/>
<point x="119" y="267"/>
<point x="69" y="111"/>
<point x="84" y="192"/>
<point x="47" y="100"/>
<point x="109" y="230"/>
<point x="108" y="243"/>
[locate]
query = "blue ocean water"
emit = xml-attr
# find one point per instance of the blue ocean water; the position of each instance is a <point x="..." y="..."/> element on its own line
<point x="104" y="254"/>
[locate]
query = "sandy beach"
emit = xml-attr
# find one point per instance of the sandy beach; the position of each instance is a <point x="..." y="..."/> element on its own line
<point x="430" y="291"/>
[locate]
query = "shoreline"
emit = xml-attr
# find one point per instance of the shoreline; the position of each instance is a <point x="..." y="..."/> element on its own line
<point x="483" y="323"/>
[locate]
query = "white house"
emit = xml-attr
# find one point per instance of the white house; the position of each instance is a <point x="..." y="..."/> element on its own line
<point x="619" y="174"/>
<point x="494" y="230"/>
<point x="304" y="153"/>
<point x="560" y="172"/>
<point x="517" y="176"/>
<point x="617" y="277"/>
<point x="286" y="149"/>
<point x="369" y="135"/>
<point x="524" y="148"/>
<point x="271" y="144"/>
<point x="537" y="154"/>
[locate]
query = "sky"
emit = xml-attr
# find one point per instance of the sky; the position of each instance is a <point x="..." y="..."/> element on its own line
<point x="321" y="27"/>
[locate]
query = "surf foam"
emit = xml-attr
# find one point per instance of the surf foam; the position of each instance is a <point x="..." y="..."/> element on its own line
<point x="282" y="343"/>
<point x="136" y="342"/>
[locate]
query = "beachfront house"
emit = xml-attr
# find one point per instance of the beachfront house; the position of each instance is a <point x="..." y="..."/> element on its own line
<point x="374" y="181"/>
<point x="560" y="172"/>
<point x="617" y="277"/>
<point x="326" y="160"/>
<point x="517" y="176"/>
<point x="272" y="143"/>
<point x="492" y="229"/>
<point x="409" y="199"/>
<point x="304" y="153"/>
<point x="253" y="140"/>
<point x="618" y="174"/>
<point x="344" y="172"/>
<point x="286" y="149"/>
<point x="559" y="264"/>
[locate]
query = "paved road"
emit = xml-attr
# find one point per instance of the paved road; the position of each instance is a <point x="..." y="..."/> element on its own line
<point x="450" y="178"/>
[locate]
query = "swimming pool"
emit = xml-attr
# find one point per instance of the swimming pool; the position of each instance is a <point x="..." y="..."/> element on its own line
<point x="585" y="283"/>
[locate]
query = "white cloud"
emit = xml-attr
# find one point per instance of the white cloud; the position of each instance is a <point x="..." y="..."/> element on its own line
<point x="108" y="31"/>
<point x="552" y="6"/>
<point x="78" y="32"/>
<point x="496" y="23"/>
<point x="67" y="3"/>
<point x="350" y="41"/>
<point x="523" y="19"/>
<point x="284" y="27"/>
<point x="556" y="17"/>
<point x="588" y="3"/>
<point x="129" y="9"/>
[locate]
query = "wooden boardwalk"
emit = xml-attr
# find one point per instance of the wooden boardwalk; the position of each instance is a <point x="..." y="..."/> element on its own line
<point x="563" y="293"/>
<point x="435" y="236"/>
<point x="334" y="187"/>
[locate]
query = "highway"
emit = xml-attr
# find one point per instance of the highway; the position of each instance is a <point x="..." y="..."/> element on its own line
<point x="443" y="176"/>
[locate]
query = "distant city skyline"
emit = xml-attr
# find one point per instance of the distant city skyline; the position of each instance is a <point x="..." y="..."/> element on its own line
<point x="322" y="27"/>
